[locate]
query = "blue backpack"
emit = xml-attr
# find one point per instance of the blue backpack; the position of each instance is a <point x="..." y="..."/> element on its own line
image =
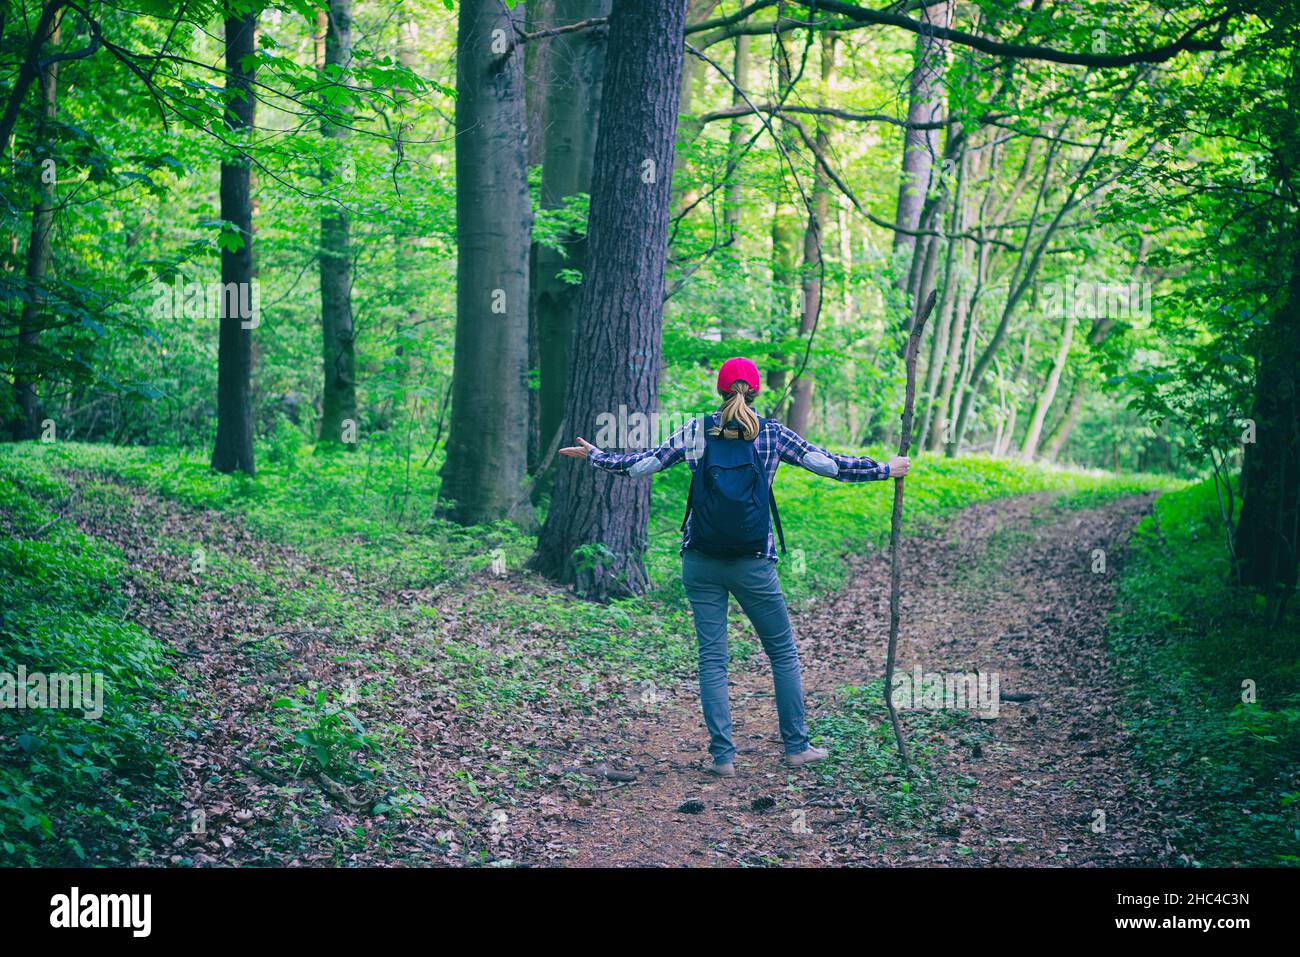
<point x="730" y="498"/>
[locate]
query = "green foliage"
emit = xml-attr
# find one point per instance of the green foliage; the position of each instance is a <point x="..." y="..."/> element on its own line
<point x="76" y="788"/>
<point x="1189" y="642"/>
<point x="329" y="735"/>
<point x="864" y="755"/>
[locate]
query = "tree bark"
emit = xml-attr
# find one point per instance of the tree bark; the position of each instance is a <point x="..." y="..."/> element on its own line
<point x="785" y="272"/>
<point x="1266" y="537"/>
<point x="595" y="532"/>
<point x="339" y="394"/>
<point x="538" y="15"/>
<point x="948" y="300"/>
<point x="572" y="110"/>
<point x="802" y="388"/>
<point x="39" y="256"/>
<point x="731" y="213"/>
<point x="234" y="445"/>
<point x="487" y="448"/>
<point x="921" y="146"/>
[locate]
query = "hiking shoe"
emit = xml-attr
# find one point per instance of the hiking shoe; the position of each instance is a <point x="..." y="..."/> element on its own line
<point x="811" y="756"/>
<point x="727" y="770"/>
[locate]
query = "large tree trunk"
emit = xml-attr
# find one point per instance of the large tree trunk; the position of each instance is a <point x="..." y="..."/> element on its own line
<point x="234" y="445"/>
<point x="921" y="147"/>
<point x="339" y="397"/>
<point x="482" y="480"/>
<point x="1267" y="532"/>
<point x="538" y="15"/>
<point x="616" y="353"/>
<point x="39" y="254"/>
<point x="802" y="388"/>
<point x="572" y="108"/>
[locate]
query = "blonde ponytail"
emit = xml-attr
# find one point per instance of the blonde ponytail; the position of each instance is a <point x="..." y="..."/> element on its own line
<point x="737" y="408"/>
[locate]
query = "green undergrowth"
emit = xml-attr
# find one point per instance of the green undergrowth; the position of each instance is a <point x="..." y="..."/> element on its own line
<point x="864" y="762"/>
<point x="84" y="776"/>
<point x="510" y="648"/>
<point x="1195" y="650"/>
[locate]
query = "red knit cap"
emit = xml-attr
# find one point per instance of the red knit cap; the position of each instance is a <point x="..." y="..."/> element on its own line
<point x="738" y="370"/>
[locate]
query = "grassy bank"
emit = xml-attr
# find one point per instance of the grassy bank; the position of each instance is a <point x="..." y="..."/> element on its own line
<point x="1194" y="648"/>
<point x="83" y="782"/>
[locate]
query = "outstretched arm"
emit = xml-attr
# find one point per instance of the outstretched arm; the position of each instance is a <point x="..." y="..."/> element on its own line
<point x="796" y="450"/>
<point x="636" y="464"/>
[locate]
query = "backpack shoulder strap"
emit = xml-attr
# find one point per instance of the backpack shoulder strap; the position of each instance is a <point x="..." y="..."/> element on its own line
<point x="776" y="518"/>
<point x="771" y="497"/>
<point x="702" y="437"/>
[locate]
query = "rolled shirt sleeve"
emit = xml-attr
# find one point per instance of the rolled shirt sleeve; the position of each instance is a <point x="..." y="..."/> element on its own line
<point x="794" y="449"/>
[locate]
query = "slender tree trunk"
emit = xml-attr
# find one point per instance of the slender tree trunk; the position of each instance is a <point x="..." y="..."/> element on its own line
<point x="487" y="448"/>
<point x="29" y="72"/>
<point x="785" y="268"/>
<point x="921" y="147"/>
<point x="234" y="445"/>
<point x="1022" y="277"/>
<point x="736" y="137"/>
<point x="407" y="252"/>
<point x="689" y="125"/>
<point x="785" y="273"/>
<point x="39" y="255"/>
<point x="572" y="109"/>
<point x="802" y="388"/>
<point x="595" y="532"/>
<point x="947" y="303"/>
<point x="1009" y="432"/>
<point x="1029" y="448"/>
<point x="1055" y="442"/>
<point x="940" y="433"/>
<point x="1102" y="326"/>
<point x="729" y="326"/>
<point x="339" y="394"/>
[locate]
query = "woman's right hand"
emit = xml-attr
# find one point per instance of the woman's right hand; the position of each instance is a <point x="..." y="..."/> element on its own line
<point x="579" y="451"/>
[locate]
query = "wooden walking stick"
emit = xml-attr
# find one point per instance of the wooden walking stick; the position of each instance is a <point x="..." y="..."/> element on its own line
<point x="896" y="522"/>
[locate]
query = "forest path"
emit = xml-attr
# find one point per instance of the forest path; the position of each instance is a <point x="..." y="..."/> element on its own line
<point x="486" y="758"/>
<point x="1007" y="587"/>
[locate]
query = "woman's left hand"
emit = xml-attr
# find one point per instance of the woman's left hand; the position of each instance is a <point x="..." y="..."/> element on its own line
<point x="899" y="466"/>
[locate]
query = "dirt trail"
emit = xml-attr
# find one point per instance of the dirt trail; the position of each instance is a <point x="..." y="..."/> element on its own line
<point x="1006" y="587"/>
<point x="1009" y="588"/>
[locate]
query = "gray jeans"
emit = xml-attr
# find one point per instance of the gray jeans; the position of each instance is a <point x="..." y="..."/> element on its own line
<point x="708" y="581"/>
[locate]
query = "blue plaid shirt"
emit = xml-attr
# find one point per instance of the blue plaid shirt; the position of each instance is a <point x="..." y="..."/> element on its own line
<point x="775" y="444"/>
